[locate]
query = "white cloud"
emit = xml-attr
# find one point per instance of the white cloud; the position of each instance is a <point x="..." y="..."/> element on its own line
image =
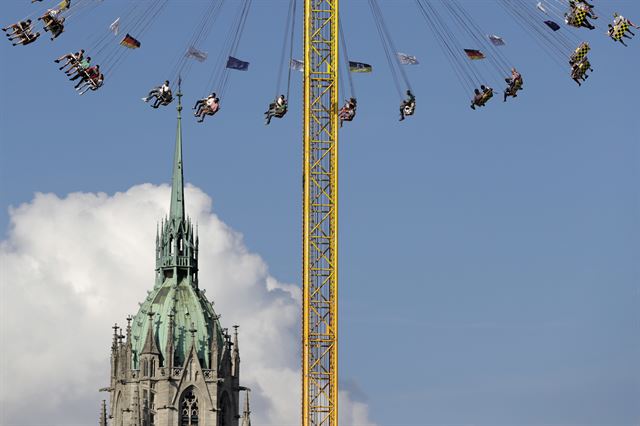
<point x="72" y="267"/>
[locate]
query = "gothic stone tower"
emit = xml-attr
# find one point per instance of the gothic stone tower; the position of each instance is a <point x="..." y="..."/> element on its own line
<point x="175" y="365"/>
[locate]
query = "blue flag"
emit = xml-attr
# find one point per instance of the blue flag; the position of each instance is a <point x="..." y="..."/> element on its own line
<point x="552" y="25"/>
<point x="237" y="64"/>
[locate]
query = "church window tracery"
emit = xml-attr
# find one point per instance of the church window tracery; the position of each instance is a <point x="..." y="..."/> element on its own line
<point x="189" y="414"/>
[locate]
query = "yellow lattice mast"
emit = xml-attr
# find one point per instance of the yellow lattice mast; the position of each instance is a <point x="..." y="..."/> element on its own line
<point x="320" y="215"/>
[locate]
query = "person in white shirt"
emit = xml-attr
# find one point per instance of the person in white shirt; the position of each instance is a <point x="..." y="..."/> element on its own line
<point x="162" y="95"/>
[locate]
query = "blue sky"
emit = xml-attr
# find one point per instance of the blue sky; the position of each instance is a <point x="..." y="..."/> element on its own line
<point x="489" y="259"/>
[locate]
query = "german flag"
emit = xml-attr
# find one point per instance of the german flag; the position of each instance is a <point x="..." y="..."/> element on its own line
<point x="474" y="54"/>
<point x="130" y="42"/>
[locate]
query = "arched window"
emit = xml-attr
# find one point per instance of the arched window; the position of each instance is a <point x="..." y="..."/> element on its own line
<point x="153" y="368"/>
<point x="171" y="248"/>
<point x="189" y="409"/>
<point x="145" y="368"/>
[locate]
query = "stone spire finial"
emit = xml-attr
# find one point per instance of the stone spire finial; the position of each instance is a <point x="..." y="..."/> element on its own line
<point x="235" y="353"/>
<point x="170" y="349"/>
<point x="235" y="337"/>
<point x="103" y="413"/>
<point x="129" y="329"/>
<point x="114" y="344"/>
<point x="246" y="415"/>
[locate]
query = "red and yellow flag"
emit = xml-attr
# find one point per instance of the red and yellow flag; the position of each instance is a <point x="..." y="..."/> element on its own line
<point x="130" y="42"/>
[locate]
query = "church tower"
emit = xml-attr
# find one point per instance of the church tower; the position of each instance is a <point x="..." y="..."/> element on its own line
<point x="174" y="365"/>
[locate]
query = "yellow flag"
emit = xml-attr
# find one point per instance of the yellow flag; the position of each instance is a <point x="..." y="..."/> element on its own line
<point x="64" y="5"/>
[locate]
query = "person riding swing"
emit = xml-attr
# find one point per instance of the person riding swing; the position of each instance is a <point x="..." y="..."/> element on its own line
<point x="162" y="95"/>
<point x="70" y="59"/>
<point x="348" y="111"/>
<point x="206" y="106"/>
<point x="22" y="32"/>
<point x="408" y="106"/>
<point x="482" y="96"/>
<point x="276" y="109"/>
<point x="579" y="70"/>
<point x="53" y="23"/>
<point x="514" y="84"/>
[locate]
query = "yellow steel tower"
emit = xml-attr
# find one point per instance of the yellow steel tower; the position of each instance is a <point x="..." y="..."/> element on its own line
<point x="320" y="220"/>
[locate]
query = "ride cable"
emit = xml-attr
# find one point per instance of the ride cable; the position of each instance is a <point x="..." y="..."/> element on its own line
<point x="183" y="63"/>
<point x="555" y="44"/>
<point x="80" y="7"/>
<point x="136" y="20"/>
<point x="287" y="46"/>
<point x="467" y="75"/>
<point x="220" y="76"/>
<point x="467" y="24"/>
<point x="347" y="66"/>
<point x="397" y="71"/>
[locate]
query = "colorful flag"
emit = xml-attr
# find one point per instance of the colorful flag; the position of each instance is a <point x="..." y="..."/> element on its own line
<point x="115" y="26"/>
<point x="196" y="54"/>
<point x="497" y="41"/>
<point x="237" y="64"/>
<point x="405" y="59"/>
<point x="297" y="65"/>
<point x="552" y="25"/>
<point x="474" y="54"/>
<point x="359" y="67"/>
<point x="130" y="42"/>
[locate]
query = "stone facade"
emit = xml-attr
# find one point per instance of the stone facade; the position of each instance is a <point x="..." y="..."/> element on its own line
<point x="174" y="365"/>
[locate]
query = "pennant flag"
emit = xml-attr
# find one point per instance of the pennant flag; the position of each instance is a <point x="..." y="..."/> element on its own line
<point x="64" y="5"/>
<point x="474" y="54"/>
<point x="407" y="59"/>
<point x="115" y="26"/>
<point x="237" y="64"/>
<point x="196" y="54"/>
<point x="541" y="8"/>
<point x="359" y="67"/>
<point x="297" y="65"/>
<point x="130" y="42"/>
<point x="497" y="41"/>
<point x="552" y="25"/>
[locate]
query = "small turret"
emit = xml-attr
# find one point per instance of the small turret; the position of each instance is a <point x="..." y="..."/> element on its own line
<point x="128" y="346"/>
<point x="246" y="415"/>
<point x="114" y="353"/>
<point x="235" y="353"/>
<point x="103" y="413"/>
<point x="170" y="350"/>
<point x="214" y="349"/>
<point x="150" y="355"/>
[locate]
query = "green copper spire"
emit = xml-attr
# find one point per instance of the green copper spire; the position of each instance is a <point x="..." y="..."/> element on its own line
<point x="177" y="183"/>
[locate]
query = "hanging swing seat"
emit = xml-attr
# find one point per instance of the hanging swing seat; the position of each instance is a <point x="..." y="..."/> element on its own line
<point x="166" y="98"/>
<point x="619" y="30"/>
<point x="514" y="87"/>
<point x="579" y="71"/>
<point x="409" y="108"/>
<point x="347" y="114"/>
<point x="576" y="17"/>
<point x="277" y="111"/>
<point x="580" y="53"/>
